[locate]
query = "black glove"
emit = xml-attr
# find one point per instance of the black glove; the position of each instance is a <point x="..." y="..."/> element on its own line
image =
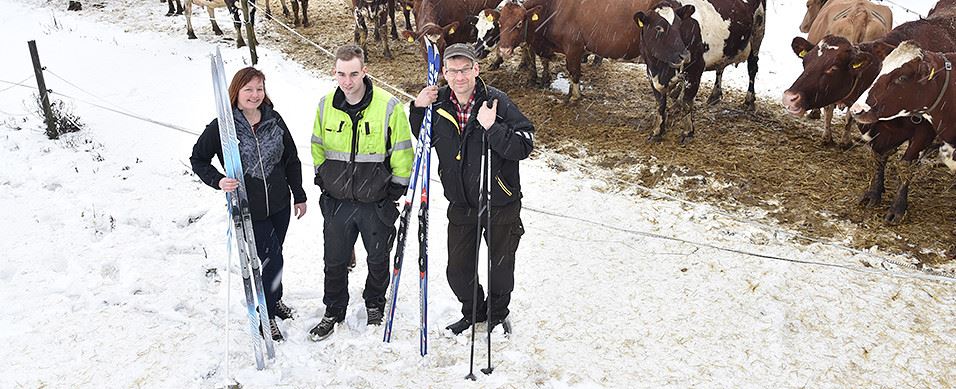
<point x="395" y="191"/>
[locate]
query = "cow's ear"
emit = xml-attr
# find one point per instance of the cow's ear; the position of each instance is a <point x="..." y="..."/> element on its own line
<point x="685" y="11"/>
<point x="859" y="61"/>
<point x="471" y="19"/>
<point x="926" y="72"/>
<point x="640" y="18"/>
<point x="801" y="46"/>
<point x="534" y="14"/>
<point x="492" y="15"/>
<point x="409" y="36"/>
<point x="450" y="28"/>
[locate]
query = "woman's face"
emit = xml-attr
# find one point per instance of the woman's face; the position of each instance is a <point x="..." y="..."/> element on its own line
<point x="251" y="94"/>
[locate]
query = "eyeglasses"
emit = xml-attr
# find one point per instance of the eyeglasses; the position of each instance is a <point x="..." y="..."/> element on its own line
<point x="459" y="72"/>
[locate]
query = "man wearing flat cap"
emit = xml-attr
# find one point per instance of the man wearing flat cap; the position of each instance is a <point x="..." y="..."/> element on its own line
<point x="462" y="112"/>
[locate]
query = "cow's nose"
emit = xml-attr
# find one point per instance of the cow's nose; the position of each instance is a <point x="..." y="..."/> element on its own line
<point x="859" y="108"/>
<point x="790" y="98"/>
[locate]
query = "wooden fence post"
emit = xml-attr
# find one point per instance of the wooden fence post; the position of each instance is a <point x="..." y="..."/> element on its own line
<point x="51" y="130"/>
<point x="250" y="32"/>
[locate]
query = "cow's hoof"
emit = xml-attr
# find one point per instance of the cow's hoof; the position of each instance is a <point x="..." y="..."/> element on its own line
<point x="170" y="13"/>
<point x="844" y="145"/>
<point x="750" y="106"/>
<point x="217" y="32"/>
<point x="827" y="142"/>
<point x="190" y="36"/>
<point x="813" y="114"/>
<point x="394" y="35"/>
<point x="870" y="200"/>
<point x="894" y="217"/>
<point x="713" y="100"/>
<point x="285" y="12"/>
<point x="388" y="55"/>
<point x="686" y="138"/>
<point x="655" y="138"/>
<point x="240" y="45"/>
<point x="306" y="24"/>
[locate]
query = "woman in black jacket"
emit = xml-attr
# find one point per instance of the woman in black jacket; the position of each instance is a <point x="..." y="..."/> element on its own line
<point x="272" y="171"/>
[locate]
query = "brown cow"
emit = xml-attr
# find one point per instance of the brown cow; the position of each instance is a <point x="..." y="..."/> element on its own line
<point x="838" y="76"/>
<point x="445" y="22"/>
<point x="679" y="44"/>
<point x="915" y="83"/>
<point x="572" y="27"/>
<point x="857" y="21"/>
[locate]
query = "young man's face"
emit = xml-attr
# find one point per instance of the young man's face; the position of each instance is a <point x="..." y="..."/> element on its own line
<point x="461" y="74"/>
<point x="349" y="74"/>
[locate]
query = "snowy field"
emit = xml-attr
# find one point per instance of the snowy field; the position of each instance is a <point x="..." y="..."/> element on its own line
<point x="115" y="273"/>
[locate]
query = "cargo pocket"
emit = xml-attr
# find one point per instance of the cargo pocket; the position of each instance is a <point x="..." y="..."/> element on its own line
<point x="387" y="212"/>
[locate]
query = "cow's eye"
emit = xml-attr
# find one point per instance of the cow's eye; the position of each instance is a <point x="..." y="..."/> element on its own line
<point x="902" y="79"/>
<point x="659" y="29"/>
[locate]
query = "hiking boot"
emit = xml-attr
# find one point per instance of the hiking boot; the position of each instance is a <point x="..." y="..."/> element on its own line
<point x="505" y="325"/>
<point x="463" y="324"/>
<point x="324" y="328"/>
<point x="283" y="311"/>
<point x="276" y="334"/>
<point x="375" y="315"/>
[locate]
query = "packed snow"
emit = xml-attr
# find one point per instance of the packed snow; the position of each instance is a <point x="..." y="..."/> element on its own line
<point x="116" y="259"/>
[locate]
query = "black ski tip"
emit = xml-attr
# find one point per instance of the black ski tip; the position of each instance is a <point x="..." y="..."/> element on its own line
<point x="488" y="370"/>
<point x="471" y="376"/>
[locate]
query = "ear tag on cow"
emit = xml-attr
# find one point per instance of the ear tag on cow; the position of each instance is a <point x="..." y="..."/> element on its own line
<point x="452" y="31"/>
<point x="641" y="24"/>
<point x="411" y="40"/>
<point x="803" y="53"/>
<point x="490" y="18"/>
<point x="857" y="65"/>
<point x="408" y="7"/>
<point x="534" y="17"/>
<point x="932" y="72"/>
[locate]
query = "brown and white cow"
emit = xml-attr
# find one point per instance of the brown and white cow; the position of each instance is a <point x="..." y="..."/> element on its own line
<point x="857" y="21"/>
<point x="231" y="5"/>
<point x="445" y="22"/>
<point x="376" y="13"/>
<point x="915" y="83"/>
<point x="680" y="39"/>
<point x="838" y="76"/>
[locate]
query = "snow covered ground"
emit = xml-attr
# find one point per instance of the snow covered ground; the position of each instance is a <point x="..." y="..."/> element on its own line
<point x="115" y="271"/>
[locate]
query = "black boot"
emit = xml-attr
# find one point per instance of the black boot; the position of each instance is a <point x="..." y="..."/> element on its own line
<point x="283" y="311"/>
<point x="463" y="324"/>
<point x="325" y="327"/>
<point x="505" y="325"/>
<point x="276" y="334"/>
<point x="375" y="315"/>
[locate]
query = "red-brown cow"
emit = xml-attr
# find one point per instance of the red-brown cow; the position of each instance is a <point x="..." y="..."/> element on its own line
<point x="682" y="39"/>
<point x="839" y="76"/>
<point x="915" y="83"/>
<point x="572" y="27"/>
<point x="445" y="22"/>
<point x="857" y="21"/>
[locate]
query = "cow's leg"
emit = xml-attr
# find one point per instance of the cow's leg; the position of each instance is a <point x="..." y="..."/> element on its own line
<point x="236" y="22"/>
<point x="750" y="102"/>
<point x="268" y="9"/>
<point x="597" y="61"/>
<point x="910" y="169"/>
<point x="172" y="9"/>
<point x="285" y="8"/>
<point x="212" y="18"/>
<point x="874" y="194"/>
<point x="391" y="15"/>
<point x="374" y="13"/>
<point x="382" y="23"/>
<point x="573" y="64"/>
<point x="526" y="54"/>
<point x="847" y="140"/>
<point x="657" y="132"/>
<point x="496" y="64"/>
<point x="690" y="85"/>
<point x="717" y="92"/>
<point x="813" y="114"/>
<point x="305" y="13"/>
<point x="295" y="13"/>
<point x="545" y="80"/>
<point x="179" y="7"/>
<point x="361" y="32"/>
<point x="189" y="20"/>
<point x="827" y="126"/>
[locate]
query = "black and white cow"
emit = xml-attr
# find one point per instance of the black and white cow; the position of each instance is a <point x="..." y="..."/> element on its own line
<point x="371" y="11"/>
<point x="231" y="5"/>
<point x="680" y="39"/>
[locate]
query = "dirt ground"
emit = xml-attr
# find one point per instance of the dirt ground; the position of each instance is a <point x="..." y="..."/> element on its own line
<point x="738" y="159"/>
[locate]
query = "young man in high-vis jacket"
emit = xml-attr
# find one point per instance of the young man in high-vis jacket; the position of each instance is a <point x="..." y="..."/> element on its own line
<point x="362" y="150"/>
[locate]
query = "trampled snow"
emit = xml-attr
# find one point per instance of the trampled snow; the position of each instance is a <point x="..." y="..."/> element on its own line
<point x="115" y="272"/>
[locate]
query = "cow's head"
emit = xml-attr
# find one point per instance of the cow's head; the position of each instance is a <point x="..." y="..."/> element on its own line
<point x="486" y="22"/>
<point x="813" y="9"/>
<point x="515" y="22"/>
<point x="834" y="72"/>
<point x="661" y="37"/>
<point x="437" y="35"/>
<point x="903" y="86"/>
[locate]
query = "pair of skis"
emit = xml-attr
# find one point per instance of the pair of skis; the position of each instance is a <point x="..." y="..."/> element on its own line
<point x="422" y="172"/>
<point x="238" y="205"/>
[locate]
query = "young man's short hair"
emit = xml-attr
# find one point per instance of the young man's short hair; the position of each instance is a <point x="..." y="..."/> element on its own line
<point x="350" y="51"/>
